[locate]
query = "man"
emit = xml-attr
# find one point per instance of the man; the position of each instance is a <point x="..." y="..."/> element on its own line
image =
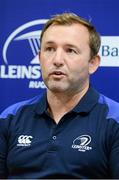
<point x="72" y="131"/>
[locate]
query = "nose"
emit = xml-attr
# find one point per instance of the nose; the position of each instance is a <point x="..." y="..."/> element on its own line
<point x="58" y="59"/>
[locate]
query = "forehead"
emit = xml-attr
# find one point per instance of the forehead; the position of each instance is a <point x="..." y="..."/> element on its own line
<point x="67" y="33"/>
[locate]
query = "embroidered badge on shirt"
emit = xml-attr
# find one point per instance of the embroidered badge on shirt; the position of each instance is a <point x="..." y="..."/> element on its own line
<point x="81" y="143"/>
<point x="24" y="140"/>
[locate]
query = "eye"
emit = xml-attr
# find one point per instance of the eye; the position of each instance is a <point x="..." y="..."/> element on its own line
<point x="50" y="49"/>
<point x="71" y="51"/>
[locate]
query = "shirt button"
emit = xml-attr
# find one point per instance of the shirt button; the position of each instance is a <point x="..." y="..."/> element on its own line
<point x="54" y="137"/>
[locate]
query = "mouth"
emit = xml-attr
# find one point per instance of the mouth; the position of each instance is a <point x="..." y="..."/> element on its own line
<point x="57" y="74"/>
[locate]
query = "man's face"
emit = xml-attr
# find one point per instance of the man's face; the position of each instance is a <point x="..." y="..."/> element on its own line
<point x="64" y="58"/>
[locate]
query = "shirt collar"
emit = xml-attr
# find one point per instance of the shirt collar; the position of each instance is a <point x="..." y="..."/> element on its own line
<point x="88" y="101"/>
<point x="42" y="105"/>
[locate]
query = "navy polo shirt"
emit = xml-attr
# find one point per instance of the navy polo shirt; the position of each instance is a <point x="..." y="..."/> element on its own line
<point x="84" y="144"/>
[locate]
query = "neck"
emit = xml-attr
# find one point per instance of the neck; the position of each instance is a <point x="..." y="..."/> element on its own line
<point x="61" y="103"/>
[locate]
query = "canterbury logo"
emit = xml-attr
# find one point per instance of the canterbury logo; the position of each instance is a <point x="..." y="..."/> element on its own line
<point x="24" y="140"/>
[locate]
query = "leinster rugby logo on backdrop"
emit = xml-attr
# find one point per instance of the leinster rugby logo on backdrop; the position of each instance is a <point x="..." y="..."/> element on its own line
<point x="21" y="61"/>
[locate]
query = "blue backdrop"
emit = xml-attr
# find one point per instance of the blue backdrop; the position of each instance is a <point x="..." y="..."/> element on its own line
<point x="21" y="22"/>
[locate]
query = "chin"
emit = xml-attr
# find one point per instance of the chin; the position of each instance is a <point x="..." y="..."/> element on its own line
<point x="58" y="87"/>
<point x="57" y="90"/>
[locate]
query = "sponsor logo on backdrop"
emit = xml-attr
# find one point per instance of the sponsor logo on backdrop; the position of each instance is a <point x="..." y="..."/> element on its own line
<point x="32" y="72"/>
<point x="109" y="53"/>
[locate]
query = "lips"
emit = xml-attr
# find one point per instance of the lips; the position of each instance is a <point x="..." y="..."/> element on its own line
<point x="58" y="73"/>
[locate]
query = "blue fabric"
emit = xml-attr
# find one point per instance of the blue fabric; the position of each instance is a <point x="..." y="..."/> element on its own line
<point x="113" y="107"/>
<point x="84" y="144"/>
<point x="15" y="107"/>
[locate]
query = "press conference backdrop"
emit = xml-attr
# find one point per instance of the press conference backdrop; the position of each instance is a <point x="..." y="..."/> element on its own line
<point x="21" y="22"/>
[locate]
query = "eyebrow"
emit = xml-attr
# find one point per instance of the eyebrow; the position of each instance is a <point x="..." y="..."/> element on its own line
<point x="69" y="45"/>
<point x="49" y="42"/>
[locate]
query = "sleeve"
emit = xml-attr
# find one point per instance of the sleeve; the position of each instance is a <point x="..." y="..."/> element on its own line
<point x="5" y="118"/>
<point x="114" y="153"/>
<point x="3" y="149"/>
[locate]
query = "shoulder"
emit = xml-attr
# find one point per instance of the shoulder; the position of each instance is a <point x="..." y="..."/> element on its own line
<point x="12" y="110"/>
<point x="112" y="107"/>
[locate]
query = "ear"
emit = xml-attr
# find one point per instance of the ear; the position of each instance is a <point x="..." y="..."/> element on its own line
<point x="39" y="54"/>
<point x="94" y="64"/>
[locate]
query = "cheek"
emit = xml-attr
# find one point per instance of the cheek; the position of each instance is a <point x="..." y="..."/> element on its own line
<point x="44" y="70"/>
<point x="79" y="68"/>
<point x="42" y="66"/>
<point x="43" y="63"/>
